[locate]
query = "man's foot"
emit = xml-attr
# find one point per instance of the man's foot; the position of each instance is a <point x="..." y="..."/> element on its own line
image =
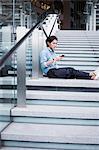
<point x="95" y="75"/>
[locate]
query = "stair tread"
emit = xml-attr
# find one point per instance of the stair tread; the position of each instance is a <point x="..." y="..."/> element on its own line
<point x="63" y="82"/>
<point x="82" y="42"/>
<point x="79" y="63"/>
<point x="5" y="109"/>
<point x="54" y="95"/>
<point x="71" y="45"/>
<point x="78" y="55"/>
<point x="51" y="133"/>
<point x="80" y="67"/>
<point x="80" y="59"/>
<point x="92" y="51"/>
<point x="3" y="125"/>
<point x="80" y="50"/>
<point x="44" y="81"/>
<point x="57" y="111"/>
<point x="57" y="95"/>
<point x="17" y="148"/>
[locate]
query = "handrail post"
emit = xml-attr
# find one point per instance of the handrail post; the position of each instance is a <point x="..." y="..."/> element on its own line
<point x="21" y="70"/>
<point x="37" y="45"/>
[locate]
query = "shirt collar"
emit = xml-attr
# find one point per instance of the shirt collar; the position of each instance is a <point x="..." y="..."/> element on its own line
<point x="51" y="50"/>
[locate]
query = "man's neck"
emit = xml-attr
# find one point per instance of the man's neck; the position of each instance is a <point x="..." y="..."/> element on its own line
<point x="51" y="49"/>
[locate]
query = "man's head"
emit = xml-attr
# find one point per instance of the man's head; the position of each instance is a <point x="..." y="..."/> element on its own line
<point x="51" y="42"/>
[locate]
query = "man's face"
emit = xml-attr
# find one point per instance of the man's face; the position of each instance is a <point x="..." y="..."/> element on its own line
<point x="53" y="44"/>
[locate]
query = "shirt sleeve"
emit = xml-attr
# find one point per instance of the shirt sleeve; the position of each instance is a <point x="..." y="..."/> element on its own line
<point x="43" y="59"/>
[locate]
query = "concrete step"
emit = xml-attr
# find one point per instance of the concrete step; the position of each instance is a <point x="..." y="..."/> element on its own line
<point x="78" y="55"/>
<point x="67" y="58"/>
<point x="77" y="50"/>
<point x="66" y="63"/>
<point x="63" y="64"/>
<point x="62" y="82"/>
<point x="70" y="59"/>
<point x="92" y="42"/>
<point x="57" y="98"/>
<point x="76" y="33"/>
<point x="56" y="114"/>
<point x="44" y="81"/>
<point x="8" y="80"/>
<point x="76" y="65"/>
<point x="54" y="95"/>
<point x="79" y="45"/>
<point x="82" y="42"/>
<point x="83" y="68"/>
<point x="18" y="148"/>
<point x="84" y="37"/>
<point x="5" y="112"/>
<point x="88" y="34"/>
<point x="5" y="109"/>
<point x="79" y="36"/>
<point x="80" y="59"/>
<point x="3" y="124"/>
<point x="51" y="136"/>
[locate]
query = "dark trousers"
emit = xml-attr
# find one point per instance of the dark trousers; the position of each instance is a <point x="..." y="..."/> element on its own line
<point x="67" y="73"/>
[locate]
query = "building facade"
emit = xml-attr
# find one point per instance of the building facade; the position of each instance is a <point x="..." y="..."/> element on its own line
<point x="74" y="15"/>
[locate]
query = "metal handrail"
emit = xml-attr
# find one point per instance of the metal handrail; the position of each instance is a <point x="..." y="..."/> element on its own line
<point x="53" y="26"/>
<point x="13" y="49"/>
<point x="51" y="29"/>
<point x="7" y="55"/>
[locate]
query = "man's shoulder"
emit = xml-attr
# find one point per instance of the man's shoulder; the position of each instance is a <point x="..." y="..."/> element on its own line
<point x="45" y="51"/>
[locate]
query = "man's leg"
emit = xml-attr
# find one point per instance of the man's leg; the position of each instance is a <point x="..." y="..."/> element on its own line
<point x="81" y="74"/>
<point x="64" y="73"/>
<point x="68" y="73"/>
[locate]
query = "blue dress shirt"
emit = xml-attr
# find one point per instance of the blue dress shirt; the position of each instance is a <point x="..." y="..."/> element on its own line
<point x="46" y="55"/>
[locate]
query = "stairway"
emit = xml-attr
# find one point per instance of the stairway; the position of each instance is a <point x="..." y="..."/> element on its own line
<point x="59" y="114"/>
<point x="81" y="49"/>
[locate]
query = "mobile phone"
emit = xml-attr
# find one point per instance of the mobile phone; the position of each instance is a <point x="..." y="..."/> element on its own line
<point x="62" y="55"/>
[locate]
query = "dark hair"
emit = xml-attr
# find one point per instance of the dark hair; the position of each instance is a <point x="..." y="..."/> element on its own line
<point x="50" y="39"/>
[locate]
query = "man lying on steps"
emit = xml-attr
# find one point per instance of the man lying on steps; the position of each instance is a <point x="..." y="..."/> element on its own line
<point x="48" y="62"/>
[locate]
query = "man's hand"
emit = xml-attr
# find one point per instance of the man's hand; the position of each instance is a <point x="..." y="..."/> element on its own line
<point x="58" y="58"/>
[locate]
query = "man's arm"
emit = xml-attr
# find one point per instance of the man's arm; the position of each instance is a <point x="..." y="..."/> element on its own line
<point x="58" y="58"/>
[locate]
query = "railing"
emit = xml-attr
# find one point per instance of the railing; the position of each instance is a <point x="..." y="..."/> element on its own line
<point x="21" y="62"/>
<point x="6" y="56"/>
<point x="9" y="96"/>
